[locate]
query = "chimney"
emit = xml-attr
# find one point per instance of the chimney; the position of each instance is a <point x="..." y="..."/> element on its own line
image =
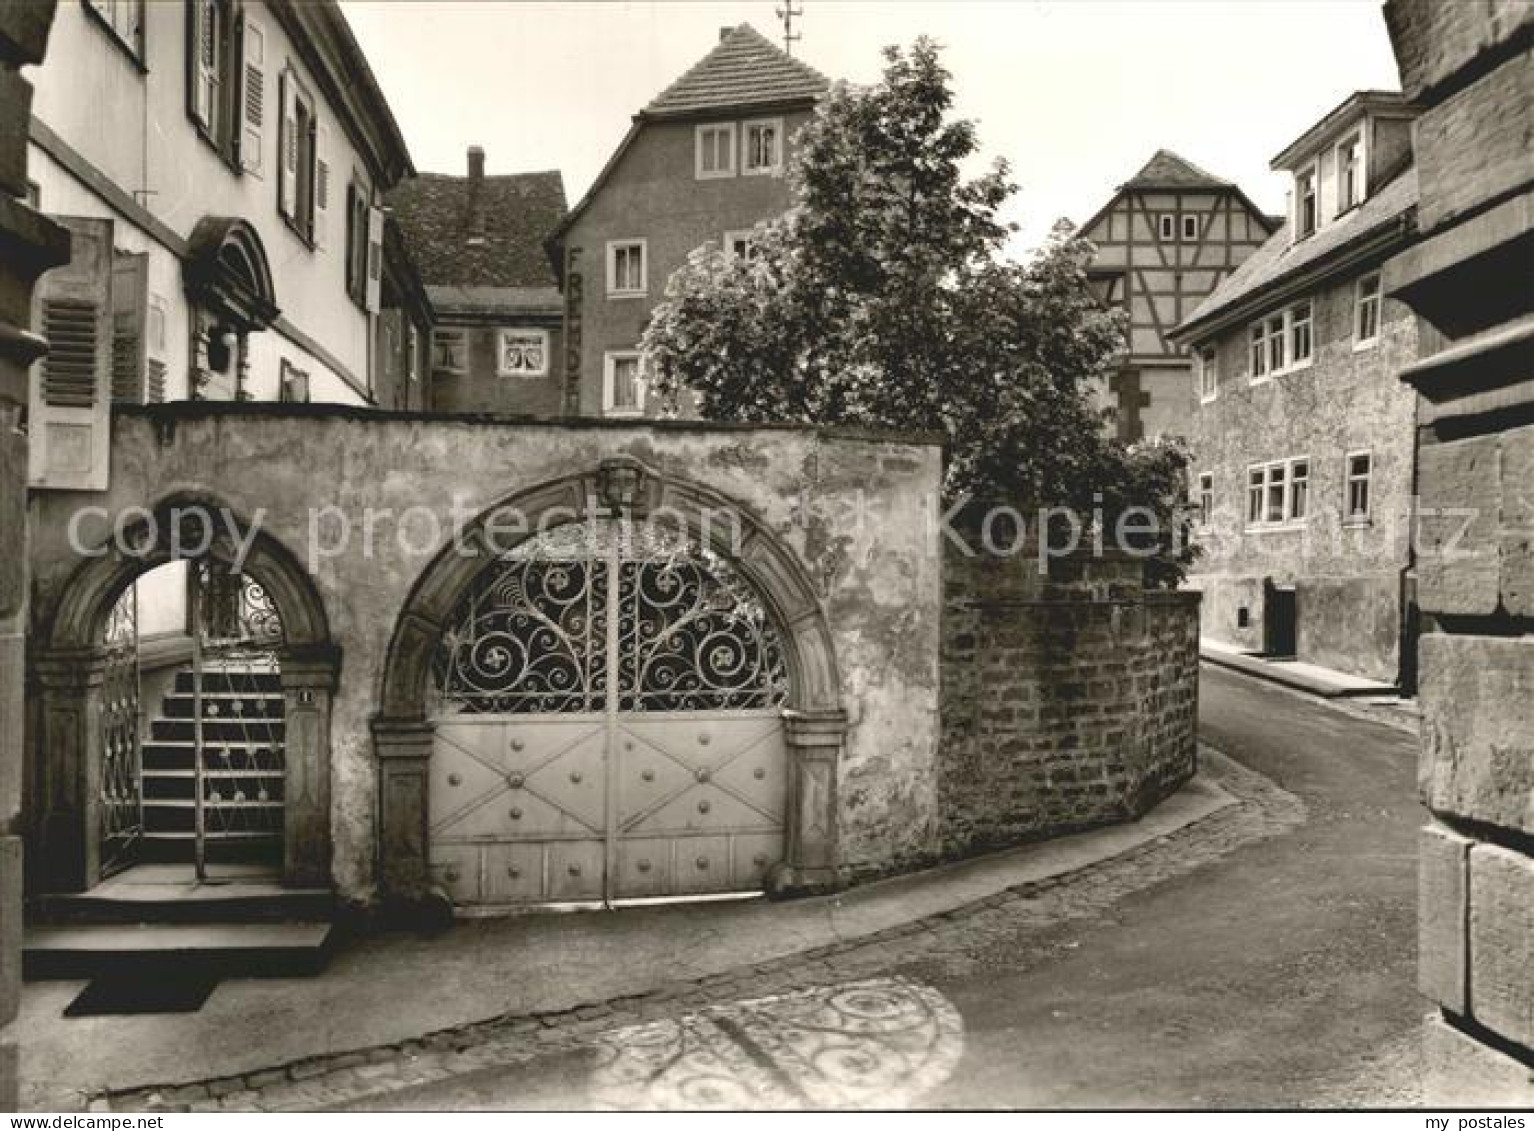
<point x="474" y="218"/>
<point x="724" y="33"/>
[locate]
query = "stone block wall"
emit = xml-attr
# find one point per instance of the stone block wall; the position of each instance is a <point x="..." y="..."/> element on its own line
<point x="1471" y="68"/>
<point x="31" y="245"/>
<point x="1068" y="702"/>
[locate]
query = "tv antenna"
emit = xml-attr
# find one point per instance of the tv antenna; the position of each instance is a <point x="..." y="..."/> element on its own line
<point x="788" y="13"/>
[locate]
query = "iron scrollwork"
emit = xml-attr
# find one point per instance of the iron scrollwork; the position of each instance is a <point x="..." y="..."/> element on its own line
<point x="532" y="633"/>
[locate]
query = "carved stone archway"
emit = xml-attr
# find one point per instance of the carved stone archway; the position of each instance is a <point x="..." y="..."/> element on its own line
<point x="68" y="669"/>
<point x="814" y="722"/>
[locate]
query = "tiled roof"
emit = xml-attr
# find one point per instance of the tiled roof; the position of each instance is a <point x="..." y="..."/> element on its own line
<point x="745" y="69"/>
<point x="495" y="300"/>
<point x="520" y="211"/>
<point x="1278" y="259"/>
<point x="1167" y="170"/>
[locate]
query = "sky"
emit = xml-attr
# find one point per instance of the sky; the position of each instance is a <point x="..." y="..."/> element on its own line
<point x="1076" y="95"/>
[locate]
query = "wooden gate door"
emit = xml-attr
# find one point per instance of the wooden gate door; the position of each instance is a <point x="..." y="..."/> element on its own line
<point x="608" y="725"/>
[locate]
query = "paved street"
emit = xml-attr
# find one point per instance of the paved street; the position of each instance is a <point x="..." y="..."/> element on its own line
<point x="1256" y="959"/>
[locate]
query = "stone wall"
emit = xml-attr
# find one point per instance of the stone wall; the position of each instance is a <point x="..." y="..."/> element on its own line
<point x="1346" y="575"/>
<point x="1068" y="701"/>
<point x="1471" y="68"/>
<point x="877" y="583"/>
<point x="31" y="244"/>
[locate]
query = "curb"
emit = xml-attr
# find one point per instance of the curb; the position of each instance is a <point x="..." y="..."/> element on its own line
<point x="335" y="1080"/>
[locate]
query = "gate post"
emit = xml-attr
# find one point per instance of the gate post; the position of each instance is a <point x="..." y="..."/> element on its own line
<point x="68" y="782"/>
<point x="403" y="749"/>
<point x="810" y="865"/>
<point x="308" y="678"/>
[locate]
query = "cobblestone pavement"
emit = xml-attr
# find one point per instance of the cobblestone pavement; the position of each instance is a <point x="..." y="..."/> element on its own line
<point x="1031" y="923"/>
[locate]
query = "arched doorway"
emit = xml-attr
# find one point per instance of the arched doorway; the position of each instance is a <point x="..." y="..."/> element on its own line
<point x="603" y="692"/>
<point x="608" y="724"/>
<point x="216" y="751"/>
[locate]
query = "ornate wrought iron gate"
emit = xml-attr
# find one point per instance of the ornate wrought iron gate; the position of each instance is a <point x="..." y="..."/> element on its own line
<point x="608" y="725"/>
<point x="122" y="810"/>
<point x="238" y="729"/>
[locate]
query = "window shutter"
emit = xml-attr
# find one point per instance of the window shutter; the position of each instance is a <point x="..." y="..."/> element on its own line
<point x="252" y="93"/>
<point x="199" y="42"/>
<point x="321" y="184"/>
<point x="130" y="278"/>
<point x="287" y="181"/>
<point x="69" y="415"/>
<point x="374" y="259"/>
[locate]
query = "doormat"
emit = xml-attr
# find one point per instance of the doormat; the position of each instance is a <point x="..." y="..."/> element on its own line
<point x="183" y="992"/>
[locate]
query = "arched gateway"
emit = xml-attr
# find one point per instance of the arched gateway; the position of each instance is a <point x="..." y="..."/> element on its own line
<point x="617" y="686"/>
<point x="244" y="758"/>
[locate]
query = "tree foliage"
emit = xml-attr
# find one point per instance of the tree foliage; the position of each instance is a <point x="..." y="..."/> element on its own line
<point x="882" y="299"/>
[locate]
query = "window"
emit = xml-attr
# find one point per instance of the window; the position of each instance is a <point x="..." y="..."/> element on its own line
<point x="210" y="43"/>
<point x="298" y="181"/>
<point x="357" y="241"/>
<point x="1208" y="374"/>
<point x="715" y="150"/>
<point x="449" y="351"/>
<point x="1168" y="226"/>
<point x="1205" y="499"/>
<point x="292" y="384"/>
<point x="1259" y="359"/>
<point x="1300" y="319"/>
<point x="1366" y="312"/>
<point x="125" y="20"/>
<point x="413" y="351"/>
<point x="626" y="267"/>
<point x="1350" y="173"/>
<point x="1306" y="212"/>
<point x="1278" y="492"/>
<point x="522" y="353"/>
<point x="622" y="384"/>
<point x="1189" y="226"/>
<point x="764" y="147"/>
<point x="738" y="244"/>
<point x="1360" y="472"/>
<point x="1282" y="342"/>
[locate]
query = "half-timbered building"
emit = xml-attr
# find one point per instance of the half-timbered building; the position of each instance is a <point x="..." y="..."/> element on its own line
<point x="1166" y="240"/>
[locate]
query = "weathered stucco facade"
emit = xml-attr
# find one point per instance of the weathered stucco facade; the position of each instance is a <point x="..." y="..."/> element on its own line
<point x="1471" y="68"/>
<point x="849" y="515"/>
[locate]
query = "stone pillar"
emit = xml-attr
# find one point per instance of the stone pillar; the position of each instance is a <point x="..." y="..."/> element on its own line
<point x="1471" y="68"/>
<point x="29" y="245"/>
<point x="403" y="749"/>
<point x="815" y="740"/>
<point x="308" y="684"/>
<point x="67" y="828"/>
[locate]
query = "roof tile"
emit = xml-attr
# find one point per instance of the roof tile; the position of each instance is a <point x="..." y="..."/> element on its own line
<point x="520" y="212"/>
<point x="745" y="69"/>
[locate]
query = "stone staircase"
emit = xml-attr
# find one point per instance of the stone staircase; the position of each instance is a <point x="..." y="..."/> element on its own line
<point x="242" y="742"/>
<point x="157" y="919"/>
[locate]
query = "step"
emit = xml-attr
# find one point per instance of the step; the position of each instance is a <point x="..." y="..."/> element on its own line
<point x="175" y="785"/>
<point x="237" y="681"/>
<point x="163" y="893"/>
<point x="230" y="950"/>
<point x="262" y="707"/>
<point x="219" y="731"/>
<point x="170" y="754"/>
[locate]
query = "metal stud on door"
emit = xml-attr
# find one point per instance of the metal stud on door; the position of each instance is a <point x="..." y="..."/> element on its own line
<point x="608" y="725"/>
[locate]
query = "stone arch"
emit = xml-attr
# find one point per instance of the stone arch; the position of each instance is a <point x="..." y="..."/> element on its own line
<point x="815" y="723"/>
<point x="69" y="664"/>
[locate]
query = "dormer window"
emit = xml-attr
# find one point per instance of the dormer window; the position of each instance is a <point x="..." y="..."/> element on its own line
<point x="1350" y="173"/>
<point x="1307" y="212"/>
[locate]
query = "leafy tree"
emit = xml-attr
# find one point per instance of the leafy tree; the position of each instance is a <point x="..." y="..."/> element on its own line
<point x="882" y="299"/>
